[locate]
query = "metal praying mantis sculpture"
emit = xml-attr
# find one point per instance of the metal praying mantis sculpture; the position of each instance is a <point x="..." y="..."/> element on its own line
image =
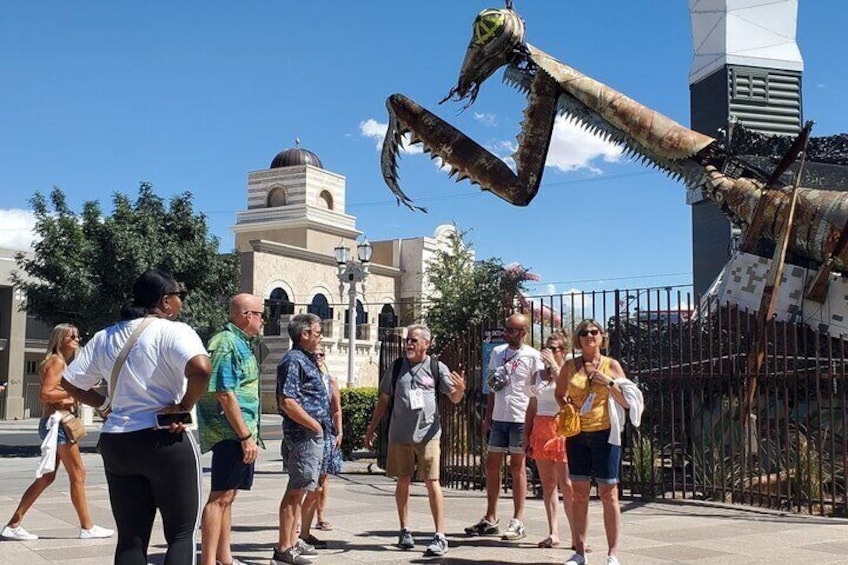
<point x="746" y="193"/>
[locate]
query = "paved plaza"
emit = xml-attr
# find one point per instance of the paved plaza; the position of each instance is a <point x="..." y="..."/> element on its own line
<point x="363" y="512"/>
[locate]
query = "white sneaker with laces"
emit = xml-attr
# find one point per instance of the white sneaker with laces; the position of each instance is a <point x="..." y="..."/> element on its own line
<point x="577" y="559"/>
<point x="17" y="533"/>
<point x="514" y="531"/>
<point x="96" y="532"/>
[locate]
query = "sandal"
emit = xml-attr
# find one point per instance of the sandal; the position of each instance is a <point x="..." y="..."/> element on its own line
<point x="548" y="542"/>
<point x="324" y="526"/>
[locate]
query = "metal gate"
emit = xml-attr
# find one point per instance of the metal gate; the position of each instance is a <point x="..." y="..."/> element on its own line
<point x="710" y="430"/>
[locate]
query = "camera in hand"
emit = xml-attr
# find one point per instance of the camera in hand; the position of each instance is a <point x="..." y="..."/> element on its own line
<point x="164" y="421"/>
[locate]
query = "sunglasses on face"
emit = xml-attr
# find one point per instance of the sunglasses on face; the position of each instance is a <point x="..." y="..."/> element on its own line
<point x="254" y="312"/>
<point x="585" y="333"/>
<point x="73" y="337"/>
<point x="319" y="355"/>
<point x="553" y="347"/>
<point x="411" y="340"/>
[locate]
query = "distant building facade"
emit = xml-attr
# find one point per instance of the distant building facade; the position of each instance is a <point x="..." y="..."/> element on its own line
<point x="23" y="343"/>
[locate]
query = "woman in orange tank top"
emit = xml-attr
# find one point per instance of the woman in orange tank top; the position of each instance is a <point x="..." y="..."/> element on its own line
<point x="591" y="382"/>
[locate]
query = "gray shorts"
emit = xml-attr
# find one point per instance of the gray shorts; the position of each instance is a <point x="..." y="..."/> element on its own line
<point x="304" y="462"/>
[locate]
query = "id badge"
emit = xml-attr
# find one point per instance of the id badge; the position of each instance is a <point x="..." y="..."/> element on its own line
<point x="416" y="399"/>
<point x="587" y="404"/>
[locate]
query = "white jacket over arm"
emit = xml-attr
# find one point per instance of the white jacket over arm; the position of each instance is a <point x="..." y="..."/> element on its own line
<point x="634" y="398"/>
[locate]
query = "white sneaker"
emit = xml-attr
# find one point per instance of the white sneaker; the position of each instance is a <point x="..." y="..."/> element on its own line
<point x="577" y="559"/>
<point x="514" y="531"/>
<point x="18" y="533"/>
<point x="612" y="560"/>
<point x="235" y="562"/>
<point x="96" y="532"/>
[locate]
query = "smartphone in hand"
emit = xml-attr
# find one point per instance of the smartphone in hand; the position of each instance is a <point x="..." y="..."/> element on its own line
<point x="164" y="421"/>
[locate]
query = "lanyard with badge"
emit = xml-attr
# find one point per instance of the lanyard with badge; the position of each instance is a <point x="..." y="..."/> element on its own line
<point x="416" y="395"/>
<point x="590" y="399"/>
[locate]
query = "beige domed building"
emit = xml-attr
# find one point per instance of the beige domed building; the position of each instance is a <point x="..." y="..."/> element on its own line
<point x="295" y="219"/>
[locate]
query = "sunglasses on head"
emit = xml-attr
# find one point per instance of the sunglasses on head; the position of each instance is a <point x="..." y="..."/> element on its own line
<point x="585" y="333"/>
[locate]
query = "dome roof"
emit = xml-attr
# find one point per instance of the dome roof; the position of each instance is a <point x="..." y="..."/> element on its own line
<point x="296" y="156"/>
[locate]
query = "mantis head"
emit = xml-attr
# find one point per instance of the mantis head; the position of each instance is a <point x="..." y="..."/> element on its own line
<point x="498" y="34"/>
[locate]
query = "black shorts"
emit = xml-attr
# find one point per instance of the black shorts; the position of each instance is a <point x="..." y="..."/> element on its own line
<point x="229" y="472"/>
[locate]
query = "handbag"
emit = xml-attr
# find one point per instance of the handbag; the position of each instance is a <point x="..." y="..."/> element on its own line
<point x="568" y="420"/>
<point x="73" y="426"/>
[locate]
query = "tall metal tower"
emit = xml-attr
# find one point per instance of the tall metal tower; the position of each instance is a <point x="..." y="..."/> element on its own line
<point x="746" y="66"/>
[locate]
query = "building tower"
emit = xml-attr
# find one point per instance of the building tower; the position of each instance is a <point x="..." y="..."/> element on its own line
<point x="746" y="66"/>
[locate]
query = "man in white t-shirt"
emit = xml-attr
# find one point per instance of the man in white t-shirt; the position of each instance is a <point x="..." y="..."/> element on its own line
<point x="516" y="364"/>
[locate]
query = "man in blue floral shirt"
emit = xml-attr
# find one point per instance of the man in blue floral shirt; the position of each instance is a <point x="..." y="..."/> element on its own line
<point x="305" y="406"/>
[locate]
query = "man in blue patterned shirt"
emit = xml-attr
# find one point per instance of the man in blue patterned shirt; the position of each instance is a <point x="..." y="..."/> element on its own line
<point x="228" y="418"/>
<point x="305" y="406"/>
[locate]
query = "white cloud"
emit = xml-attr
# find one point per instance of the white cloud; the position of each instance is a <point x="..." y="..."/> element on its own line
<point x="490" y="120"/>
<point x="573" y="148"/>
<point x="373" y="129"/>
<point x="16" y="229"/>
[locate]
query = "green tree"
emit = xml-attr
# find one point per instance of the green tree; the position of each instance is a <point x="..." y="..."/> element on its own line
<point x="83" y="267"/>
<point x="468" y="292"/>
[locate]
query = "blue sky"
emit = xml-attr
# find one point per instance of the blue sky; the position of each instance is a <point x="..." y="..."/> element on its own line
<point x="99" y="96"/>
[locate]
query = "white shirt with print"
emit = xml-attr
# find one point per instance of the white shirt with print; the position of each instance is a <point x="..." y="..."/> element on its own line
<point x="522" y="365"/>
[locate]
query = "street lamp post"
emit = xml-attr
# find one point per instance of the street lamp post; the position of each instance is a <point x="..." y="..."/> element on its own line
<point x="352" y="272"/>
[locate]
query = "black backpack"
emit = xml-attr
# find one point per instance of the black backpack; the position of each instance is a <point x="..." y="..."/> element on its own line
<point x="396" y="368"/>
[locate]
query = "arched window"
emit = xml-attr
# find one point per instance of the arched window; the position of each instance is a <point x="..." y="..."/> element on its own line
<point x="325" y="200"/>
<point x="361" y="321"/>
<point x="320" y="307"/>
<point x="387" y="320"/>
<point x="277" y="305"/>
<point x="277" y="197"/>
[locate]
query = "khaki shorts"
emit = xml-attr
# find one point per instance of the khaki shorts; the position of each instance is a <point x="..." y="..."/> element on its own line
<point x="401" y="460"/>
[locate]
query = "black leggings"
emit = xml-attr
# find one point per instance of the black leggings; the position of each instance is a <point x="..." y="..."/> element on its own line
<point x="151" y="469"/>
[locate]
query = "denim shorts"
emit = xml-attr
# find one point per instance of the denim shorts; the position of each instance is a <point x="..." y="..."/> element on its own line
<point x="507" y="437"/>
<point x="42" y="432"/>
<point x="591" y="455"/>
<point x="229" y="471"/>
<point x="304" y="462"/>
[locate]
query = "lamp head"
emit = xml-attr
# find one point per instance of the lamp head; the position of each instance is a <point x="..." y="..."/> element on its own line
<point x="341" y="253"/>
<point x="364" y="250"/>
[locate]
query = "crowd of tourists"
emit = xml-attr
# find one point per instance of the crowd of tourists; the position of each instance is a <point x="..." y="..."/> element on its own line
<point x="566" y="412"/>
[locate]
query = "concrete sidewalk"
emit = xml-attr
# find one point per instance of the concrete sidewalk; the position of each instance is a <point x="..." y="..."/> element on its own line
<point x="362" y="509"/>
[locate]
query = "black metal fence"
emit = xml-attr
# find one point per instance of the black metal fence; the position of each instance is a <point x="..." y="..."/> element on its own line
<point x="711" y="430"/>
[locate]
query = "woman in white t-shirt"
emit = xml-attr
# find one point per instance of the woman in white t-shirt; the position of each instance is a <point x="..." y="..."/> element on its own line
<point x="165" y="371"/>
<point x="541" y="440"/>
